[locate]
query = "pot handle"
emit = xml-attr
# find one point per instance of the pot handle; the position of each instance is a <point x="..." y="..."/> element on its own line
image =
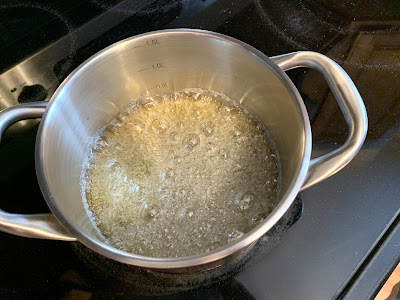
<point x="350" y="103"/>
<point x="43" y="226"/>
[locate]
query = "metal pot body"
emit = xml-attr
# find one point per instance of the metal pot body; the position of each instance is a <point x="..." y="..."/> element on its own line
<point x="167" y="61"/>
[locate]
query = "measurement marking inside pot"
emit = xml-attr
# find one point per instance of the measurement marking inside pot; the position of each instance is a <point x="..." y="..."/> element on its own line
<point x="143" y="69"/>
<point x="149" y="43"/>
<point x="161" y="85"/>
<point x="153" y="42"/>
<point x="154" y="67"/>
<point x="158" y="65"/>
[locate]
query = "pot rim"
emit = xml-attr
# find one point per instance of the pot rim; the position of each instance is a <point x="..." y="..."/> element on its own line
<point x="199" y="259"/>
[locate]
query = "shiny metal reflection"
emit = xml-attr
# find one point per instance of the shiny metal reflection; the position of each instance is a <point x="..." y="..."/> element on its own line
<point x="170" y="60"/>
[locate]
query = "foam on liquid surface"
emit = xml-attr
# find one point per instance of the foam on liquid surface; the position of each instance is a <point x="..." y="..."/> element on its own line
<point x="179" y="174"/>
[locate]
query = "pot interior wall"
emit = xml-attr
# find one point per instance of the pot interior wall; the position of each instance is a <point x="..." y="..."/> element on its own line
<point x="148" y="65"/>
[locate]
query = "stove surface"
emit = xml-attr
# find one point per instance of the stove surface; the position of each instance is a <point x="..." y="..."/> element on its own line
<point x="350" y="220"/>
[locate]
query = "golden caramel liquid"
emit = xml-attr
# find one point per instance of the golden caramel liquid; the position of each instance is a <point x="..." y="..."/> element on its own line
<point x="180" y="174"/>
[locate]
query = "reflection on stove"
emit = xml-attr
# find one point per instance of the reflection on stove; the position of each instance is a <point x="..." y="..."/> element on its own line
<point x="370" y="55"/>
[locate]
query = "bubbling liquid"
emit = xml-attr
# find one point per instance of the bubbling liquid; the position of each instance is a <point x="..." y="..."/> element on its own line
<point x="180" y="174"/>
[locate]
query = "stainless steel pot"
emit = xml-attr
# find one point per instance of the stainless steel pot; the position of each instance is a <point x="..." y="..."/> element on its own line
<point x="166" y="61"/>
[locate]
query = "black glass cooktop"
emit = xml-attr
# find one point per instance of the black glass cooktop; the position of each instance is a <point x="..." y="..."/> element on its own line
<point x="346" y="241"/>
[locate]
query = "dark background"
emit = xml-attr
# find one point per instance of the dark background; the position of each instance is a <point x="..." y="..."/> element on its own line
<point x="347" y="219"/>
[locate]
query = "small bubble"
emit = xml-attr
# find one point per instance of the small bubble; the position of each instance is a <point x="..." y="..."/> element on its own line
<point x="174" y="137"/>
<point x="150" y="101"/>
<point x="238" y="169"/>
<point x="210" y="146"/>
<point x="115" y="192"/>
<point x="168" y="173"/>
<point x="257" y="218"/>
<point x="191" y="141"/>
<point x="114" y="126"/>
<point x="180" y="193"/>
<point x="120" y="118"/>
<point x="196" y="95"/>
<point x="101" y="144"/>
<point x="149" y="211"/>
<point x="176" y="159"/>
<point x="142" y="168"/>
<point x="134" y="187"/>
<point x="236" y="132"/>
<point x="207" y="128"/>
<point x="137" y="126"/>
<point x="113" y="165"/>
<point x="181" y="212"/>
<point x="244" y="201"/>
<point x="266" y="152"/>
<point x="159" y="126"/>
<point x="190" y="214"/>
<point x="234" y="235"/>
<point x="197" y="113"/>
<point x="223" y="153"/>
